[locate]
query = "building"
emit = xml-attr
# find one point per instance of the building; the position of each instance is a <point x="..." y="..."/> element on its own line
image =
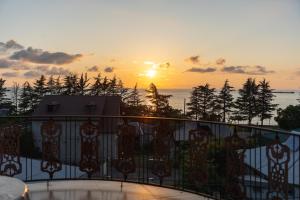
<point x="60" y="109"/>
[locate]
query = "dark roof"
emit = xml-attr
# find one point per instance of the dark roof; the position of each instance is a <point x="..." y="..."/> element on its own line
<point x="78" y="105"/>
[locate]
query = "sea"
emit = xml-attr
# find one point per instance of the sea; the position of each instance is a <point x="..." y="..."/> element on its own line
<point x="282" y="98"/>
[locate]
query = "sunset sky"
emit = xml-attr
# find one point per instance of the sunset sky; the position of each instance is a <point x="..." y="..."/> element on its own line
<point x="172" y="43"/>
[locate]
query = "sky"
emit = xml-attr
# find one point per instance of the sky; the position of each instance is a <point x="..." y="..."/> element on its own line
<point x="172" y="43"/>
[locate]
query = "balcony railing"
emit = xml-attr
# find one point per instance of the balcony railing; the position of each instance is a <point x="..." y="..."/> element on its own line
<point x="216" y="159"/>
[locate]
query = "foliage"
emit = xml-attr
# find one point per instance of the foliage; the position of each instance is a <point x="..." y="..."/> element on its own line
<point x="289" y="118"/>
<point x="26" y="99"/>
<point x="82" y="85"/>
<point x="202" y="103"/>
<point x="246" y="103"/>
<point x="159" y="103"/>
<point x="5" y="103"/>
<point x="15" y="98"/>
<point x="39" y="90"/>
<point x="225" y="100"/>
<point x="265" y="96"/>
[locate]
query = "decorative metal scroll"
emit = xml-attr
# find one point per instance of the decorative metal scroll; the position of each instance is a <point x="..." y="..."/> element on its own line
<point x="198" y="140"/>
<point x="235" y="168"/>
<point x="278" y="158"/>
<point x="89" y="160"/>
<point x="10" y="164"/>
<point x="126" y="143"/>
<point x="162" y="139"/>
<point x="51" y="133"/>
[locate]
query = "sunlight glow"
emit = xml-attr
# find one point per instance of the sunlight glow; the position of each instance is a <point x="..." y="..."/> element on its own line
<point x="151" y="73"/>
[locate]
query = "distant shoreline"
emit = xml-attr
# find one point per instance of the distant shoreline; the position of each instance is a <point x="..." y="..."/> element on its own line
<point x="285" y="92"/>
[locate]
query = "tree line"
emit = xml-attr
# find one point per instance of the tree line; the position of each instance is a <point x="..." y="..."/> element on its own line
<point x="254" y="100"/>
<point x="25" y="98"/>
<point x="205" y="103"/>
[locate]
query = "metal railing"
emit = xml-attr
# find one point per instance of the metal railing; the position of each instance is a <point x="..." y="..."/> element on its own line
<point x="210" y="158"/>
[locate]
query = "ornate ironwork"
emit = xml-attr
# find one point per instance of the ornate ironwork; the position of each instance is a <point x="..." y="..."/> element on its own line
<point x="51" y="133"/>
<point x="126" y="143"/>
<point x="235" y="168"/>
<point x="162" y="138"/>
<point x="10" y="164"/>
<point x="89" y="159"/>
<point x="278" y="158"/>
<point x="198" y="141"/>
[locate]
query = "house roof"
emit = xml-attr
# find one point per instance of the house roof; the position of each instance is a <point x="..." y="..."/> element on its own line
<point x="78" y="105"/>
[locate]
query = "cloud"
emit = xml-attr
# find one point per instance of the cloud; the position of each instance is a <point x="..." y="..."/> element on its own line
<point x="10" y="74"/>
<point x="193" y="59"/>
<point x="4" y="63"/>
<point x="44" y="57"/>
<point x="109" y="69"/>
<point x="220" y="61"/>
<point x="260" y="70"/>
<point x="14" y="65"/>
<point x="234" y="69"/>
<point x="10" y="45"/>
<point x="32" y="74"/>
<point x="94" y="68"/>
<point x="20" y="66"/>
<point x="250" y="70"/>
<point x="46" y="70"/>
<point x="202" y="70"/>
<point x="165" y="65"/>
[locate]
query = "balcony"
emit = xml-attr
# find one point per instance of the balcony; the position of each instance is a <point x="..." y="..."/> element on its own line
<point x="85" y="157"/>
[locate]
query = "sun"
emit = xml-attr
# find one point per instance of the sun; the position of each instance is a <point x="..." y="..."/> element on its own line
<point x="151" y="73"/>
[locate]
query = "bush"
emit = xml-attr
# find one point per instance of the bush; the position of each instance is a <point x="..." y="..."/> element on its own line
<point x="289" y="118"/>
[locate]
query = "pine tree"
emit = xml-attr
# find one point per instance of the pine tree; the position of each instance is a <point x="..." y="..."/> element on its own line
<point x="26" y="99"/>
<point x="4" y="101"/>
<point x="57" y="86"/>
<point x="105" y="86"/>
<point x="70" y="85"/>
<point x="225" y="100"/>
<point x="264" y="101"/>
<point x="202" y="103"/>
<point x="160" y="103"/>
<point x="134" y="97"/>
<point x="15" y="98"/>
<point x="112" y="86"/>
<point x="96" y="88"/>
<point x="134" y="103"/>
<point x="193" y="105"/>
<point x="39" y="90"/>
<point x="51" y="85"/>
<point x="246" y="103"/>
<point x="82" y="84"/>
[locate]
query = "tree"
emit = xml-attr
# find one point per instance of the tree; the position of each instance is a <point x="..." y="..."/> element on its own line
<point x="112" y="86"/>
<point x="96" y="88"/>
<point x="202" y="103"/>
<point x="15" y="98"/>
<point x="246" y="103"/>
<point x="39" y="90"/>
<point x="82" y="85"/>
<point x="134" y="103"/>
<point x="57" y="86"/>
<point x="70" y="84"/>
<point x="160" y="103"/>
<point x="4" y="101"/>
<point x="26" y="99"/>
<point x="265" y="97"/>
<point x="289" y="118"/>
<point x="51" y="85"/>
<point x="105" y="86"/>
<point x="225" y="100"/>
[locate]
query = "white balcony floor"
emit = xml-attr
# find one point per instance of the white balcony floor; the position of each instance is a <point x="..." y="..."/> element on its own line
<point x="104" y="190"/>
